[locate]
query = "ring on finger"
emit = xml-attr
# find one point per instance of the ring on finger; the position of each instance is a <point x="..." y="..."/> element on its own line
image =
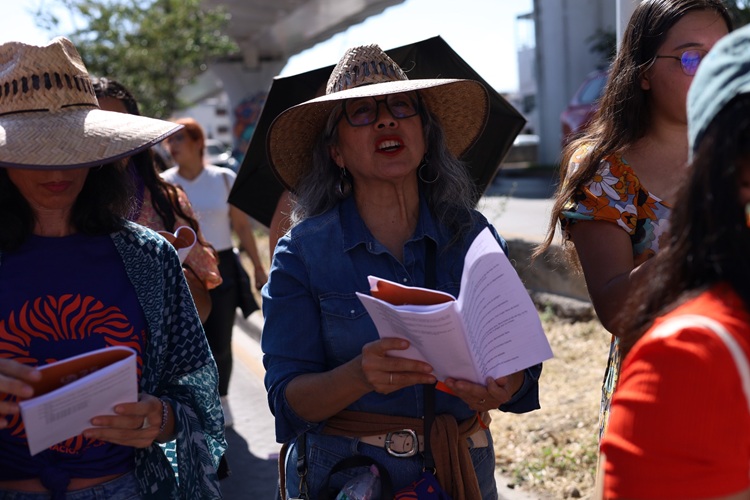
<point x="481" y="401"/>
<point x="145" y="424"/>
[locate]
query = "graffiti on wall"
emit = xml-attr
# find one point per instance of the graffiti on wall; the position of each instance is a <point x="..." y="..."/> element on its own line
<point x="246" y="115"/>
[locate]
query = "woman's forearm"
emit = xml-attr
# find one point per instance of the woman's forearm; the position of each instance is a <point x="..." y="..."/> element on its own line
<point x="318" y="396"/>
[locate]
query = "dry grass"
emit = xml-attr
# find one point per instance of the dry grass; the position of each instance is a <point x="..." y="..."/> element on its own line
<point x="550" y="452"/>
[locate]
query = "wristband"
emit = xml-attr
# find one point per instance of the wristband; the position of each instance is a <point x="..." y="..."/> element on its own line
<point x="164" y="415"/>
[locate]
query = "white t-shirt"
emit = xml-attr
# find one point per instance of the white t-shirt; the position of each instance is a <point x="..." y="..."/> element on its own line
<point x="208" y="194"/>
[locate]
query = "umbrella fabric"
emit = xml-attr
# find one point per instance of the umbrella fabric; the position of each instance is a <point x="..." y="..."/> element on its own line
<point x="257" y="191"/>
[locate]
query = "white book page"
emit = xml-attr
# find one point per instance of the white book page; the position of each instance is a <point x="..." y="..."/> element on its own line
<point x="506" y="335"/>
<point x="65" y="412"/>
<point x="432" y="336"/>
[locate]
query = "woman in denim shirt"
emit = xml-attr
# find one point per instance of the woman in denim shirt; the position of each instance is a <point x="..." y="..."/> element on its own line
<point x="376" y="188"/>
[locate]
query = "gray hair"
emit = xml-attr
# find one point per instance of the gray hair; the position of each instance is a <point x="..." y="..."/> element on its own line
<point x="450" y="196"/>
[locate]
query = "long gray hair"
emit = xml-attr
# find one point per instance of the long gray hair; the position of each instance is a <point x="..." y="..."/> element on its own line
<point x="449" y="196"/>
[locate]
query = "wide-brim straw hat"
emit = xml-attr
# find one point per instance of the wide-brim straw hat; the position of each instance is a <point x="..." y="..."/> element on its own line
<point x="461" y="106"/>
<point x="50" y="117"/>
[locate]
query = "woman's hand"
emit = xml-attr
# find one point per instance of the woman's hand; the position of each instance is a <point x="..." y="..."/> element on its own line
<point x="201" y="297"/>
<point x="489" y="397"/>
<point x="136" y="424"/>
<point x="386" y="374"/>
<point x="260" y="277"/>
<point x="13" y="381"/>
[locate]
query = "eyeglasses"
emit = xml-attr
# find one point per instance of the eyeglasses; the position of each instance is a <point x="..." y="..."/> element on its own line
<point x="689" y="60"/>
<point x="364" y="111"/>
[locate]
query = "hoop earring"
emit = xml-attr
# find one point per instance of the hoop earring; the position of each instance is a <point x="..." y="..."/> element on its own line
<point x="747" y="214"/>
<point x="421" y="170"/>
<point x="344" y="187"/>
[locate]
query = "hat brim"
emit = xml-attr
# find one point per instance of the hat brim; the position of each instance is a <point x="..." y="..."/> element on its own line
<point x="76" y="137"/>
<point x="461" y="106"/>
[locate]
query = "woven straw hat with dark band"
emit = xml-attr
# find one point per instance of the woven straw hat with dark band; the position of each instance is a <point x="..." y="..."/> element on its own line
<point x="49" y="115"/>
<point x="461" y="106"/>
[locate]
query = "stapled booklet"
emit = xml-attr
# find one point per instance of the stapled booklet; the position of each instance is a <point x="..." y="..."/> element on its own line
<point x="74" y="390"/>
<point x="492" y="328"/>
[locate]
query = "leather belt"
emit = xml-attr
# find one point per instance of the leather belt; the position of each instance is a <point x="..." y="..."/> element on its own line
<point x="406" y="442"/>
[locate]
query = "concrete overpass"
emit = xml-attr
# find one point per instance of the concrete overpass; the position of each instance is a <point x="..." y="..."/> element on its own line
<point x="268" y="33"/>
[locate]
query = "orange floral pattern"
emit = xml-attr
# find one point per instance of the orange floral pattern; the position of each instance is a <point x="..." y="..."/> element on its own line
<point x="616" y="195"/>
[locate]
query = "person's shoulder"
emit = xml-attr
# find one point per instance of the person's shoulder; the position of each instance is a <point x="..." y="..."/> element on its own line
<point x="317" y="225"/>
<point x="141" y="234"/>
<point x="217" y="171"/>
<point x="695" y="333"/>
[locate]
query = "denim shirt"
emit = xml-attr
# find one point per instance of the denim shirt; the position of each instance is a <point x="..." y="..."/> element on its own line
<point x="314" y="322"/>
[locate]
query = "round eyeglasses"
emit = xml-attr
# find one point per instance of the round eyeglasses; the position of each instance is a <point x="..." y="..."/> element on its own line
<point x="689" y="60"/>
<point x="365" y="110"/>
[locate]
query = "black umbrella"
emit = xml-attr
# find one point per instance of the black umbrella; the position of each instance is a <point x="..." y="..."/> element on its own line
<point x="257" y="191"/>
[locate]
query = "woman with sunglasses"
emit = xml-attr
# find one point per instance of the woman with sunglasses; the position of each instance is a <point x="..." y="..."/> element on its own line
<point x="377" y="190"/>
<point x="619" y="179"/>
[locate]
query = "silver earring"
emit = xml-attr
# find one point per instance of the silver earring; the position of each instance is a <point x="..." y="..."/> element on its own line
<point x="421" y="171"/>
<point x="344" y="187"/>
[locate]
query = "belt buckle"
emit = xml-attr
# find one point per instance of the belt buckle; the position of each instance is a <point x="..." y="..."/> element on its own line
<point x="406" y="433"/>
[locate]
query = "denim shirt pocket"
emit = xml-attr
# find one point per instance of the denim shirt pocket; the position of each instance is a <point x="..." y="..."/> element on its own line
<point x="346" y="326"/>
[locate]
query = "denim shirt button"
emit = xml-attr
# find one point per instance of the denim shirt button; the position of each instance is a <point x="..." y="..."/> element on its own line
<point x="406" y="279"/>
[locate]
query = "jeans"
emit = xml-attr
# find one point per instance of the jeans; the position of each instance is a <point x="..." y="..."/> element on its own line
<point x="323" y="452"/>
<point x="124" y="487"/>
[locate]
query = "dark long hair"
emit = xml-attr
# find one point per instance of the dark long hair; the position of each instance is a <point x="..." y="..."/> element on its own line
<point x="624" y="115"/>
<point x="100" y="208"/>
<point x="709" y="240"/>
<point x="164" y="196"/>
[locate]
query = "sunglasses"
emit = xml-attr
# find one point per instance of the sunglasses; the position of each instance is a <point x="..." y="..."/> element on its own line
<point x="365" y="110"/>
<point x="689" y="60"/>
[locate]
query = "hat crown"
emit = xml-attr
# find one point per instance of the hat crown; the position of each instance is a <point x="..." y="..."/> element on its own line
<point x="363" y="65"/>
<point x="46" y="78"/>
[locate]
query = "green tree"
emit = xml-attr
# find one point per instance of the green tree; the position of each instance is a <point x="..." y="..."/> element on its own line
<point x="153" y="47"/>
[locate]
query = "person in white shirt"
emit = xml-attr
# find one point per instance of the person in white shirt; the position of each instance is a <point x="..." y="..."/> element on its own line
<point x="207" y="187"/>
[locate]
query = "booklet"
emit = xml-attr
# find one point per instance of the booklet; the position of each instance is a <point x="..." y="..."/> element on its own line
<point x="492" y="328"/>
<point x="74" y="390"/>
<point x="183" y="239"/>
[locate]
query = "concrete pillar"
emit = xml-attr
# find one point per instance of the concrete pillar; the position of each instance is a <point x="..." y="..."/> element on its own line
<point x="247" y="89"/>
<point x="625" y="9"/>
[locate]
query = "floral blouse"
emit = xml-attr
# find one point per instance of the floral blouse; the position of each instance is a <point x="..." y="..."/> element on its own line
<point x="200" y="259"/>
<point x="616" y="195"/>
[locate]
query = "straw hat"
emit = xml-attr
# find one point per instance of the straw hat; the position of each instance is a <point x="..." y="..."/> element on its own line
<point x="462" y="107"/>
<point x="49" y="115"/>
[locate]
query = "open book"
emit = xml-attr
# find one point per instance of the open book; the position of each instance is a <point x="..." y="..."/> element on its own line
<point x="74" y="390"/>
<point x="183" y="240"/>
<point x="492" y="328"/>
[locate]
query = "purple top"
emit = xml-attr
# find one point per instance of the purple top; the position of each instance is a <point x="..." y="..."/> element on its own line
<point x="60" y="297"/>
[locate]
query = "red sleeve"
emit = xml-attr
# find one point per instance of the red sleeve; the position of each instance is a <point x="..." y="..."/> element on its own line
<point x="679" y="425"/>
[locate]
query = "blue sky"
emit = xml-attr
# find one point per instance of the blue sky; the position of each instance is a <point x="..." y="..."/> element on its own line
<point x="483" y="32"/>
